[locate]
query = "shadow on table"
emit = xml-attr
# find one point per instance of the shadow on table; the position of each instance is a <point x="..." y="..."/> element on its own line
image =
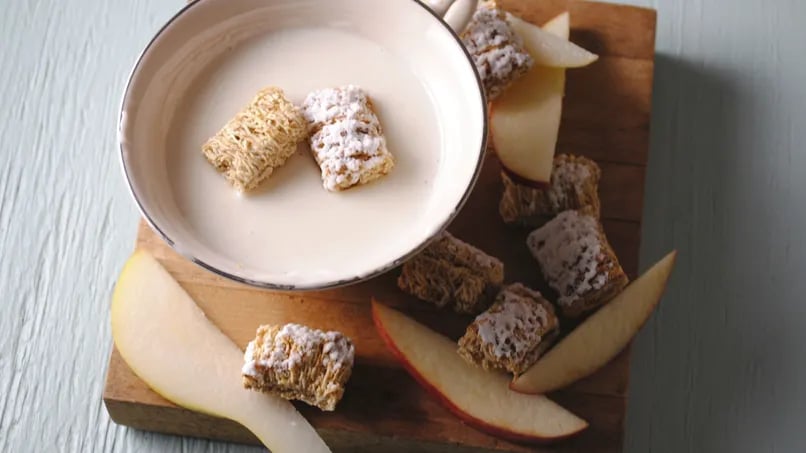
<point x="707" y="372"/>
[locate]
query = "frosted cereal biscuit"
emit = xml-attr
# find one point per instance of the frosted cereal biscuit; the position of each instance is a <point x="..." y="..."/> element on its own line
<point x="497" y="51"/>
<point x="347" y="140"/>
<point x="513" y="333"/>
<point x="452" y="273"/>
<point x="577" y="261"/>
<point x="258" y="140"/>
<point x="574" y="185"/>
<point x="299" y="363"/>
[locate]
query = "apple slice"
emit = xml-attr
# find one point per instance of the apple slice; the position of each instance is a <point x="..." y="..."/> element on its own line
<point x="601" y="337"/>
<point x="480" y="398"/>
<point x="525" y="119"/>
<point x="549" y="46"/>
<point x="169" y="343"/>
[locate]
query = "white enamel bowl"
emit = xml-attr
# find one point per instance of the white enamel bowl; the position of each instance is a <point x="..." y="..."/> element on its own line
<point x="291" y="234"/>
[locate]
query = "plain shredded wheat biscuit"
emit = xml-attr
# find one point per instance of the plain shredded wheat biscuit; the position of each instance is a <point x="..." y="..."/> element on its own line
<point x="258" y="140"/>
<point x="452" y="273"/>
<point x="510" y="336"/>
<point x="295" y="362"/>
<point x="574" y="184"/>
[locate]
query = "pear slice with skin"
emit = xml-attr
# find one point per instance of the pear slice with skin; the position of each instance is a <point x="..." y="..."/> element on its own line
<point x="481" y="398"/>
<point x="525" y="119"/>
<point x="549" y="46"/>
<point x="171" y="345"/>
<point x="600" y="337"/>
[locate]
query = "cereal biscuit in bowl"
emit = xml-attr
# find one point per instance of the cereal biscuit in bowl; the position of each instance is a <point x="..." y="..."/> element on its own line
<point x="346" y="139"/>
<point x="257" y="141"/>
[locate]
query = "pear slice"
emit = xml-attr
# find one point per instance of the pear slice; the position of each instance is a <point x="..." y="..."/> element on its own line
<point x="482" y="399"/>
<point x="560" y="26"/>
<point x="601" y="337"/>
<point x="525" y="119"/>
<point x="549" y="46"/>
<point x="169" y="343"/>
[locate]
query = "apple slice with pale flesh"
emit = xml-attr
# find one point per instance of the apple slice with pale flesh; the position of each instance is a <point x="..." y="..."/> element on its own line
<point x="482" y="399"/>
<point x="600" y="337"/>
<point x="549" y="46"/>
<point x="525" y="119"/>
<point x="169" y="343"/>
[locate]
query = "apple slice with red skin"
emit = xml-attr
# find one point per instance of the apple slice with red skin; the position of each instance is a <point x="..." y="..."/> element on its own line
<point x="481" y="398"/>
<point x="601" y="337"/>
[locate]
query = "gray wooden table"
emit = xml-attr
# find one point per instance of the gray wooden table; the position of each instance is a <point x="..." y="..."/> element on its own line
<point x="720" y="368"/>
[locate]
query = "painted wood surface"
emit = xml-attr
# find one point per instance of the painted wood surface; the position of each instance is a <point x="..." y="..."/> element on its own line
<point x="718" y="369"/>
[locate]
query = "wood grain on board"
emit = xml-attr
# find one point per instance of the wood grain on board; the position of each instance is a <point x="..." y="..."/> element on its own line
<point x="606" y="117"/>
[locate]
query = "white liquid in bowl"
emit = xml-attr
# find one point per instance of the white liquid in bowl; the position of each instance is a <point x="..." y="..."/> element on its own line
<point x="291" y="217"/>
<point x="291" y="231"/>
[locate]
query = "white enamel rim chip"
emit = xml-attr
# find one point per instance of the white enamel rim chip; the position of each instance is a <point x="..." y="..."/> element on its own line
<point x="194" y="24"/>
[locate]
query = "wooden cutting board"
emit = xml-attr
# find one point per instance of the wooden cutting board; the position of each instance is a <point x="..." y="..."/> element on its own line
<point x="606" y="117"/>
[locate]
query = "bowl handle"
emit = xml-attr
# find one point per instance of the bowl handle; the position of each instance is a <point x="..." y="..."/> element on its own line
<point x="457" y="13"/>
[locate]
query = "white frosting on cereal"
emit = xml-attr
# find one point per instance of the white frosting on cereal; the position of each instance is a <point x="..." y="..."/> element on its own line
<point x="569" y="250"/>
<point x="347" y="136"/>
<point x="566" y="177"/>
<point x="496" y="50"/>
<point x="249" y="368"/>
<point x="337" y="350"/>
<point x="513" y="311"/>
